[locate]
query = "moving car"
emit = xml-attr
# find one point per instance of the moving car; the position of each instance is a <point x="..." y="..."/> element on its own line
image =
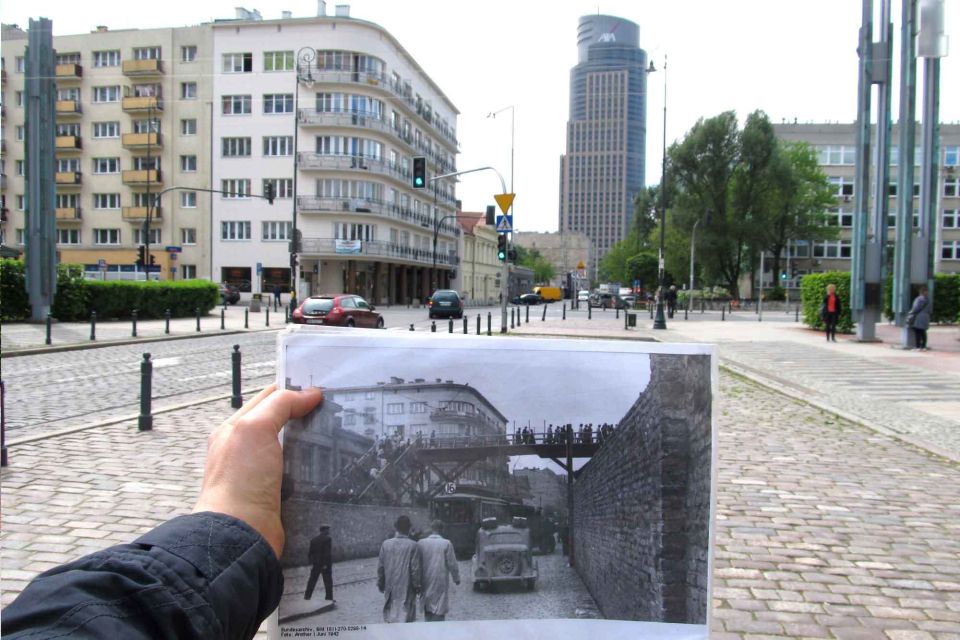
<point x="445" y="303"/>
<point x="229" y="294"/>
<point x="504" y="555"/>
<point x="339" y="310"/>
<point x="528" y="298"/>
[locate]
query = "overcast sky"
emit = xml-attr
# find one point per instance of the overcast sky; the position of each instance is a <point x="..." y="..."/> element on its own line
<point x="794" y="60"/>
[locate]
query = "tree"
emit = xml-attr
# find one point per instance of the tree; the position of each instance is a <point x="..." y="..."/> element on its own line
<point x="543" y="270"/>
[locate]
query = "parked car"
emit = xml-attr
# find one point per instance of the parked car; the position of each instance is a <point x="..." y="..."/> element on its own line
<point x="340" y="310"/>
<point x="528" y="298"/>
<point x="445" y="303"/>
<point x="504" y="554"/>
<point x="229" y="294"/>
<point x="583" y="296"/>
<point x="606" y="300"/>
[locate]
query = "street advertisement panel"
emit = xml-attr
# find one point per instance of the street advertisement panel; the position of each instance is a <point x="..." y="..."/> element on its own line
<point x="348" y="246"/>
<point x="477" y="487"/>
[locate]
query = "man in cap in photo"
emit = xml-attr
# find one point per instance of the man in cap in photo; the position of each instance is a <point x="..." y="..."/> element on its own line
<point x="398" y="574"/>
<point x="438" y="563"/>
<point x="321" y="561"/>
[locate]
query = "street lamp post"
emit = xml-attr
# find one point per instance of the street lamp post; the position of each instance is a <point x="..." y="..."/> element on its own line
<point x="660" y="322"/>
<point x="305" y="56"/>
<point x="693" y="242"/>
<point x="505" y="275"/>
<point x="148" y="201"/>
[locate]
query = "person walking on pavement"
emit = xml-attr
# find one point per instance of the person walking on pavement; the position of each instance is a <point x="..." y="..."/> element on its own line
<point x="437" y="562"/>
<point x="919" y="319"/>
<point x="321" y="561"/>
<point x="277" y="292"/>
<point x="398" y="574"/>
<point x="671" y="300"/>
<point x="830" y="310"/>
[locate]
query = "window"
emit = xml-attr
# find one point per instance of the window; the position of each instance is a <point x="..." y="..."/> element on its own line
<point x="278" y="103"/>
<point x="278" y="61"/>
<point x="235" y="230"/>
<point x="951" y="187"/>
<point x="20" y="236"/>
<point x="188" y="199"/>
<point x="839" y="249"/>
<point x="277" y="230"/>
<point x="106" y="236"/>
<point x="68" y="93"/>
<point x="188" y="236"/>
<point x="418" y="407"/>
<point x="106" y="58"/>
<point x="144" y="199"/>
<point x="106" y="165"/>
<point x="949" y="251"/>
<point x="68" y="129"/>
<point x="19" y="98"/>
<point x="237" y="62"/>
<point x="18" y="168"/>
<point x="354" y="231"/>
<point x="282" y="187"/>
<point x="21" y="132"/>
<point x="106" y="201"/>
<point x="395" y="408"/>
<point x="68" y="200"/>
<point x="68" y="165"/>
<point x="21" y="202"/>
<point x="21" y="64"/>
<point x="235" y="105"/>
<point x="951" y="156"/>
<point x="188" y="90"/>
<point x="843" y="186"/>
<point x="188" y="53"/>
<point x="147" y="53"/>
<point x="68" y="58"/>
<point x="106" y="129"/>
<point x="188" y="127"/>
<point x="235" y="188"/>
<point x="950" y="219"/>
<point x="189" y="271"/>
<point x="235" y="147"/>
<point x="155" y="236"/>
<point x="188" y="164"/>
<point x="278" y="145"/>
<point x="146" y="126"/>
<point x="68" y="236"/>
<point x="143" y="163"/>
<point x="106" y="94"/>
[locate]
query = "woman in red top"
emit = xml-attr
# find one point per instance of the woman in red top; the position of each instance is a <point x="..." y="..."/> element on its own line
<point x="831" y="311"/>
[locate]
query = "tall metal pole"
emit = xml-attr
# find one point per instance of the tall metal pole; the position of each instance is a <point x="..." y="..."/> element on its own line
<point x="146" y="221"/>
<point x="305" y="56"/>
<point x="660" y="322"/>
<point x="505" y="268"/>
<point x="693" y="241"/>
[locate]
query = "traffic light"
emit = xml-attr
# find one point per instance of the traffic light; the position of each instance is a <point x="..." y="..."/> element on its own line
<point x="501" y="247"/>
<point x="783" y="275"/>
<point x="153" y="260"/>
<point x="268" y="191"/>
<point x="141" y="256"/>
<point x="419" y="172"/>
<point x="512" y="254"/>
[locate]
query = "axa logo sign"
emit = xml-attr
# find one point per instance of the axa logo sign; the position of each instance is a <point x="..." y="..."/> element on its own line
<point x="608" y="37"/>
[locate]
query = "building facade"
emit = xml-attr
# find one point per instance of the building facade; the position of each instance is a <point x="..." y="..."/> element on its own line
<point x="480" y="269"/>
<point x="348" y="118"/>
<point x="132" y="119"/>
<point x="835" y="144"/>
<point x="569" y="253"/>
<point x="603" y="168"/>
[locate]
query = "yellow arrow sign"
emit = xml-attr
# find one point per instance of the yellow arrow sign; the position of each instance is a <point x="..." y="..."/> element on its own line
<point x="504" y="200"/>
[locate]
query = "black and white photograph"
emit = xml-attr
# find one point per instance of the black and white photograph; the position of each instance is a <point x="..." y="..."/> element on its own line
<point x="486" y="482"/>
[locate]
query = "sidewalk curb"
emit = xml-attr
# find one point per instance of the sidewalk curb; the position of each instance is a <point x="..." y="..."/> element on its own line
<point x="797" y="393"/>
<point x="100" y="344"/>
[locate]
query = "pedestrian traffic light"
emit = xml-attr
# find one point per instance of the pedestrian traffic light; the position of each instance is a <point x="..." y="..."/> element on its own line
<point x="153" y="259"/>
<point x="419" y="172"/>
<point x="783" y="275"/>
<point x="141" y="256"/>
<point x="268" y="191"/>
<point x="501" y="247"/>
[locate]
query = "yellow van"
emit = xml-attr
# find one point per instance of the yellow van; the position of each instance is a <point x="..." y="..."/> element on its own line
<point x="549" y="294"/>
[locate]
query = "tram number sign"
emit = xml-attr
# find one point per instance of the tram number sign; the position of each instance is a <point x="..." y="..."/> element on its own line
<point x="450" y="487"/>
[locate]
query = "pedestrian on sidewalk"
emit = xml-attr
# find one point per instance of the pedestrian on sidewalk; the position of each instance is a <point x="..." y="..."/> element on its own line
<point x="321" y="561"/>
<point x="212" y="574"/>
<point x="830" y="311"/>
<point x="437" y="562"/>
<point x="398" y="574"/>
<point x="919" y="319"/>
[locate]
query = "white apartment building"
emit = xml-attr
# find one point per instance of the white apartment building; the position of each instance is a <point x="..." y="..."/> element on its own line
<point x="364" y="109"/>
<point x="132" y="111"/>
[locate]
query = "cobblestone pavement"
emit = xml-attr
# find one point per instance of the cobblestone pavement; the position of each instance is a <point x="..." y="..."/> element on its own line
<point x="825" y="529"/>
<point x="559" y="594"/>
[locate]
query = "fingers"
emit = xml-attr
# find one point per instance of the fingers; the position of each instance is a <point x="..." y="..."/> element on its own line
<point x="250" y="404"/>
<point x="276" y="408"/>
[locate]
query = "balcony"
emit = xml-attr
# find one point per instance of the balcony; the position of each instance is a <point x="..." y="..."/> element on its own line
<point x="377" y="250"/>
<point x="68" y="107"/>
<point x="139" y="214"/>
<point x="142" y="140"/>
<point x="68" y="214"/>
<point x="314" y="118"/>
<point x="369" y="206"/>
<point x="454" y="415"/>
<point x="68" y="178"/>
<point x="68" y="143"/>
<point x="140" y="68"/>
<point x="142" y="176"/>
<point x="135" y="104"/>
<point x="71" y="71"/>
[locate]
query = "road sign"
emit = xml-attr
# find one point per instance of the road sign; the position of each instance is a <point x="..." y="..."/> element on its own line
<point x="259" y="268"/>
<point x="173" y="249"/>
<point x="504" y="200"/>
<point x="581" y="266"/>
<point x="102" y="264"/>
<point x="504" y="224"/>
<point x="450" y="487"/>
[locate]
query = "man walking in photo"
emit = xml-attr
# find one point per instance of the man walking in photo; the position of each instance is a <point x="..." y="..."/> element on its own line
<point x="438" y="563"/>
<point x="321" y="560"/>
<point x="398" y="574"/>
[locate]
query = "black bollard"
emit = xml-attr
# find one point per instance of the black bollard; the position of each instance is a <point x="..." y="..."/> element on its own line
<point x="723" y="313"/>
<point x="49" y="330"/>
<point x="489" y="322"/>
<point x="625" y="314"/>
<point x="528" y="315"/>
<point x="685" y="315"/>
<point x="564" y="311"/>
<point x="589" y="311"/>
<point x="617" y="309"/>
<point x="268" y="315"/>
<point x="236" y="400"/>
<point x="198" y="318"/>
<point x="544" y="317"/>
<point x="223" y="320"/>
<point x="466" y="325"/>
<point x="3" y="425"/>
<point x="145" y="420"/>
<point x="703" y="304"/>
<point x="286" y="314"/>
<point x="450" y="326"/>
<point x="133" y="319"/>
<point x="166" y="325"/>
<point x="246" y="318"/>
<point x="93" y="325"/>
<point x="478" y="324"/>
<point x="411" y="326"/>
<point x="796" y="317"/>
<point x="433" y="326"/>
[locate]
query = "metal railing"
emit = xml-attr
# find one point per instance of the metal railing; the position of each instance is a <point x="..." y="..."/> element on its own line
<point x="378" y="248"/>
<point x="373" y="206"/>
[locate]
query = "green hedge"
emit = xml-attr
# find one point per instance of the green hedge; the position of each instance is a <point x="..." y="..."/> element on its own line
<point x="76" y="297"/>
<point x="813" y="287"/>
<point x="946" y="304"/>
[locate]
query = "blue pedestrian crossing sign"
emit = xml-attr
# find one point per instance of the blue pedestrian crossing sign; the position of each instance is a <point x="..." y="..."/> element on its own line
<point x="504" y="223"/>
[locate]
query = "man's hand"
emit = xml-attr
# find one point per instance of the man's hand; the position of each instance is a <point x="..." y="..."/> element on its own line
<point x="244" y="466"/>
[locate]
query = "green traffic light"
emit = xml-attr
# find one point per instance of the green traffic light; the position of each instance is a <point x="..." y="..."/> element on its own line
<point x="419" y="182"/>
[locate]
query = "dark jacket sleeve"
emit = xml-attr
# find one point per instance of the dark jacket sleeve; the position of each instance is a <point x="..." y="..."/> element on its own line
<point x="205" y="575"/>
